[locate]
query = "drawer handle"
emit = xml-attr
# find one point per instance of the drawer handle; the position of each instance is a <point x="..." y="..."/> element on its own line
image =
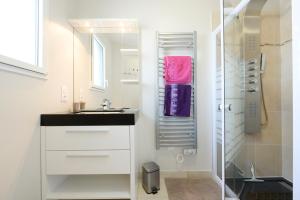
<point x="87" y="154"/>
<point x="88" y="131"/>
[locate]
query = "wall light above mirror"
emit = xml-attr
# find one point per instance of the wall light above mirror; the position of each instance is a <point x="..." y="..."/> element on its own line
<point x="105" y="25"/>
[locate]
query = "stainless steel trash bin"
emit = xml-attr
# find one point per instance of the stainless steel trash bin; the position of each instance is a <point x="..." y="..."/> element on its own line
<point x="151" y="181"/>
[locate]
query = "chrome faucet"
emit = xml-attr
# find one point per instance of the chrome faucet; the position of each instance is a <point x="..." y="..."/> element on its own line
<point x="106" y="104"/>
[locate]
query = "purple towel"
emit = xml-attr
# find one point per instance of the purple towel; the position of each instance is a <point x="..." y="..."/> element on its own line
<point x="177" y="100"/>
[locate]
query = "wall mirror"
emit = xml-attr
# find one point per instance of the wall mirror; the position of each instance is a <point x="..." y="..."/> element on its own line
<point x="106" y="62"/>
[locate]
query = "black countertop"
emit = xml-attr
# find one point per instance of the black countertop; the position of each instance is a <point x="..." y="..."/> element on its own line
<point x="128" y="117"/>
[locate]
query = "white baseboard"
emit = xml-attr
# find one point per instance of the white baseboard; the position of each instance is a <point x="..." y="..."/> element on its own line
<point x="184" y="174"/>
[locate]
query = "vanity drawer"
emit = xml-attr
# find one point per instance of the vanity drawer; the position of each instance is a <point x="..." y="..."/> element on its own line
<point x="88" y="162"/>
<point x="87" y="138"/>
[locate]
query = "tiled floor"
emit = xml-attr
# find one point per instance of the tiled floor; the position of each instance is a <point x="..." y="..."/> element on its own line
<point x="193" y="189"/>
<point x="163" y="194"/>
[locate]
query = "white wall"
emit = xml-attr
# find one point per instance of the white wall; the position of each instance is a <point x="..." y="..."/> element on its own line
<point x="168" y="15"/>
<point x="22" y="101"/>
<point x="296" y="97"/>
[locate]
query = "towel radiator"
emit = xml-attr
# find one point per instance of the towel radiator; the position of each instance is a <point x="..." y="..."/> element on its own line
<point x="176" y="131"/>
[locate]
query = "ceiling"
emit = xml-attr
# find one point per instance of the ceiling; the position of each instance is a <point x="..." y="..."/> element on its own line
<point x="105" y="25"/>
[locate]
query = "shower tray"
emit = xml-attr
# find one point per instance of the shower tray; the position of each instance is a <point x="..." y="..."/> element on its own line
<point x="276" y="188"/>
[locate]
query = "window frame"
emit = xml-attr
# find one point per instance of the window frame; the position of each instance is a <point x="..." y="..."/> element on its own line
<point x="20" y="67"/>
<point x="93" y="85"/>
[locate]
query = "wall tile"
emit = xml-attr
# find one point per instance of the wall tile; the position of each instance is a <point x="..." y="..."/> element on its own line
<point x="271" y="134"/>
<point x="268" y="160"/>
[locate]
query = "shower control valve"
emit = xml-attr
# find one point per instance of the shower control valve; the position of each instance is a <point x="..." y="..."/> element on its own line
<point x="252" y="75"/>
<point x="252" y="69"/>
<point x="252" y="81"/>
<point x="252" y="90"/>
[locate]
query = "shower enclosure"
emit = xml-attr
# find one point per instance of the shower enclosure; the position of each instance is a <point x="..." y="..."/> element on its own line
<point x="253" y="109"/>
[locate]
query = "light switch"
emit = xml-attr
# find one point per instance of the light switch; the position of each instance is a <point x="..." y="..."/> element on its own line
<point x="81" y="94"/>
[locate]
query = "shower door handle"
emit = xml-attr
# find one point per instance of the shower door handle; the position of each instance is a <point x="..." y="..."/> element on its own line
<point x="220" y="107"/>
<point x="228" y="107"/>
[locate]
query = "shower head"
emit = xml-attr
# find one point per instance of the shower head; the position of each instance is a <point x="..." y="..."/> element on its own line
<point x="262" y="63"/>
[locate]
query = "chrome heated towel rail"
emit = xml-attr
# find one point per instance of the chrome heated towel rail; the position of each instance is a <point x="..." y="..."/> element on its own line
<point x="176" y="131"/>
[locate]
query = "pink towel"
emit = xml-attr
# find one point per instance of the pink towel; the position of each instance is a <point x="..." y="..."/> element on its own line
<point x="178" y="69"/>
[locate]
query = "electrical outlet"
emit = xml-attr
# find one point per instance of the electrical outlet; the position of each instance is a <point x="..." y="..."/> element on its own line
<point x="64" y="94"/>
<point x="189" y="152"/>
<point x="171" y="148"/>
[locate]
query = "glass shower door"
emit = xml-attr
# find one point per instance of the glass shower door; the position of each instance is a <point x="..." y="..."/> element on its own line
<point x="234" y="144"/>
<point x="217" y="146"/>
<point x="257" y="72"/>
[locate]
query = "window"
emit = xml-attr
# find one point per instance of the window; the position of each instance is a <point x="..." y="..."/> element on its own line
<point x="21" y="35"/>
<point x="98" y="64"/>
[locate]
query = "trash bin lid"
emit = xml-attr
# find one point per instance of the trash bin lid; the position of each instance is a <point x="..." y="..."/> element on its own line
<point x="150" y="167"/>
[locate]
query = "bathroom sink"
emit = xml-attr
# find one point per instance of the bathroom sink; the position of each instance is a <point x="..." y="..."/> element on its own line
<point x="101" y="111"/>
<point x="92" y="117"/>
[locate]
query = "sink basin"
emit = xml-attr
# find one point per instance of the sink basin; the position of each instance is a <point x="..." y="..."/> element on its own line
<point x="101" y="111"/>
<point x="98" y="112"/>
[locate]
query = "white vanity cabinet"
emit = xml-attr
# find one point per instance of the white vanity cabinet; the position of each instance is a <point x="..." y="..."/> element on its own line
<point x="88" y="162"/>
